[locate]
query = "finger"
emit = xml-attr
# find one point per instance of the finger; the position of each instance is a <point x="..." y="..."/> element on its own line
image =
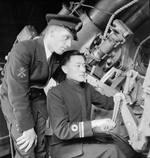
<point x="117" y="98"/>
<point x="35" y="142"/>
<point x="111" y="127"/>
<point x="129" y="142"/>
<point x="106" y="128"/>
<point x="21" y="141"/>
<point x="20" y="138"/>
<point x="29" y="146"/>
<point x="24" y="145"/>
<point x="147" y="90"/>
<point x="111" y="124"/>
<point x="109" y="121"/>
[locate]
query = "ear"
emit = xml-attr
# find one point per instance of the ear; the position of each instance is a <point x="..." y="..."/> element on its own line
<point x="51" y="30"/>
<point x="64" y="69"/>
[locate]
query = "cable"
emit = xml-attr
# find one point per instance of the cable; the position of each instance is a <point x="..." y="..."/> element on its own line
<point x="138" y="48"/>
<point x="115" y="13"/>
<point x="100" y="10"/>
<point x="77" y="6"/>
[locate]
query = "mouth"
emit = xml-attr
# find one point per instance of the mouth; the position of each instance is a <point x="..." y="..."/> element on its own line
<point x="62" y="50"/>
<point x="65" y="49"/>
<point x="83" y="76"/>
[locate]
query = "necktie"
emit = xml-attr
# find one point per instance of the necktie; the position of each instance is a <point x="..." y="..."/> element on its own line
<point x="51" y="62"/>
<point x="55" y="69"/>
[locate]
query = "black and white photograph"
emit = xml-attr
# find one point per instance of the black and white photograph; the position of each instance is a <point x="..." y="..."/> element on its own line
<point x="75" y="79"/>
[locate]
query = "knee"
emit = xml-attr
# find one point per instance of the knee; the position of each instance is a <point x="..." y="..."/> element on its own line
<point x="115" y="152"/>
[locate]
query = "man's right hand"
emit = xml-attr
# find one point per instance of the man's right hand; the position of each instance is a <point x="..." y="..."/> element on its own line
<point x="104" y="125"/>
<point x="27" y="139"/>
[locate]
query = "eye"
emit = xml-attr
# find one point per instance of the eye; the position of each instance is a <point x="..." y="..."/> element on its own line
<point x="78" y="65"/>
<point x="81" y="65"/>
<point x="66" y="38"/>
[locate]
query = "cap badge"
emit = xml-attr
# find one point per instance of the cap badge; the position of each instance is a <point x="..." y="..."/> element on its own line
<point x="74" y="127"/>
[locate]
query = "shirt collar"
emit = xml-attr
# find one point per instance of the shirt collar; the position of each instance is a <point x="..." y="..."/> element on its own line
<point x="47" y="51"/>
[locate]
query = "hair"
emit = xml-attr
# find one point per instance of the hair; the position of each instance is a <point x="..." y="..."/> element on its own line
<point x="54" y="28"/>
<point x="68" y="54"/>
<point x="59" y="75"/>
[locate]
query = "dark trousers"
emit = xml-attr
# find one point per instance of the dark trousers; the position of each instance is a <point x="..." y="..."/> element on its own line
<point x="101" y="151"/>
<point x="38" y="151"/>
<point x="39" y="111"/>
<point x="91" y="150"/>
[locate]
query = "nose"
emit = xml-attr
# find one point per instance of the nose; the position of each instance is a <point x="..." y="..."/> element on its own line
<point x="68" y="43"/>
<point x="82" y="69"/>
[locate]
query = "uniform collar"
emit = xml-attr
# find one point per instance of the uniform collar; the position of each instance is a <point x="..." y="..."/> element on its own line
<point x="75" y="84"/>
<point x="39" y="46"/>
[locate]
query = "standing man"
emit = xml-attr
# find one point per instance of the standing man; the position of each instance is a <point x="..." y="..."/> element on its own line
<point x="69" y="107"/>
<point x="29" y="67"/>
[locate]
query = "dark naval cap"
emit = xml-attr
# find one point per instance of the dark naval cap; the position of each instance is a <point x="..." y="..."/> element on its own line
<point x="70" y="22"/>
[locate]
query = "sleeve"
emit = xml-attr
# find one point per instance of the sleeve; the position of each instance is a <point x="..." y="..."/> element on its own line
<point x="18" y="86"/>
<point x="100" y="100"/>
<point x="59" y="119"/>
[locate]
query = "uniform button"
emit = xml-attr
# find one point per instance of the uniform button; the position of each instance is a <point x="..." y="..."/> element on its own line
<point x="17" y="125"/>
<point x="17" y="128"/>
<point x="14" y="110"/>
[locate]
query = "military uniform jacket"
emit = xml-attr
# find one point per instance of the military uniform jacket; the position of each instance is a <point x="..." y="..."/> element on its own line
<point x="26" y="67"/>
<point x="69" y="108"/>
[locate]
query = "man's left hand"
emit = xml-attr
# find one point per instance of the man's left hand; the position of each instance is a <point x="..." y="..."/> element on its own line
<point x="118" y="97"/>
<point x="27" y="139"/>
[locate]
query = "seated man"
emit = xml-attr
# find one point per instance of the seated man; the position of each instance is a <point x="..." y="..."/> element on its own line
<point x="69" y="107"/>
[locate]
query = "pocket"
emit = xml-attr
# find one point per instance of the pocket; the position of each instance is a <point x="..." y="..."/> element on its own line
<point x="39" y="105"/>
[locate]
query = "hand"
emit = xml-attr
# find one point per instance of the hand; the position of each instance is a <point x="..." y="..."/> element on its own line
<point x="118" y="97"/>
<point x="146" y="89"/>
<point x="27" y="139"/>
<point x="103" y="124"/>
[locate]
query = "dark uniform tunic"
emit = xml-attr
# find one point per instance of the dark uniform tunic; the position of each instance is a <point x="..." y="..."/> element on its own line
<point x="26" y="67"/>
<point x="69" y="108"/>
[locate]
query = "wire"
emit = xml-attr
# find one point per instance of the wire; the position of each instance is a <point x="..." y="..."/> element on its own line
<point x="138" y="48"/>
<point x="77" y="6"/>
<point x="115" y="13"/>
<point x="100" y="10"/>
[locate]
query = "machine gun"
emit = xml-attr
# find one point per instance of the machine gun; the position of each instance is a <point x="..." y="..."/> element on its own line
<point x="107" y="40"/>
<point x="111" y="68"/>
<point x="139" y="131"/>
<point x="138" y="127"/>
